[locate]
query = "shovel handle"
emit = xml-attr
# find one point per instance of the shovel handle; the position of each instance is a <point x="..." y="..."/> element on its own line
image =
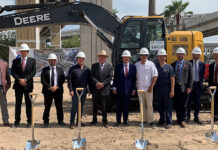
<point x="79" y="89"/>
<point x="212" y="104"/>
<point x="140" y="92"/>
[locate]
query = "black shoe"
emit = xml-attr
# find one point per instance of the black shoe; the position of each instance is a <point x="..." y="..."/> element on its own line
<point x="126" y="123"/>
<point x="215" y="119"/>
<point x="7" y="124"/>
<point x="168" y="126"/>
<point x="160" y="123"/>
<point x="152" y="125"/>
<point x="62" y="123"/>
<point x="82" y="124"/>
<point x="197" y="121"/>
<point x="93" y="123"/>
<point x="118" y="124"/>
<point x="28" y="125"/>
<point x="16" y="124"/>
<point x="188" y="119"/>
<point x="105" y="125"/>
<point x="46" y="124"/>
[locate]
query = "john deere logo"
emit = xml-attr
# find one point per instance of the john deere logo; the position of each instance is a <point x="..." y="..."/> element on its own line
<point x="31" y="19"/>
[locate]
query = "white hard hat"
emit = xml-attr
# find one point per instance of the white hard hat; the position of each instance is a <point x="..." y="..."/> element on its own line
<point x="52" y="56"/>
<point x="161" y="52"/>
<point x="180" y="51"/>
<point x="24" y="47"/>
<point x="126" y="53"/>
<point x="215" y="50"/>
<point x="143" y="51"/>
<point x="196" y="50"/>
<point x="81" y="54"/>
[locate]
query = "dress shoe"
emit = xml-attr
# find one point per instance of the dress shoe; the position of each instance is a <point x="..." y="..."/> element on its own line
<point x="215" y="119"/>
<point x="160" y="123"/>
<point x="118" y="124"/>
<point x="82" y="124"/>
<point x="62" y="123"/>
<point x="93" y="123"/>
<point x="105" y="125"/>
<point x="183" y="124"/>
<point x="152" y="125"/>
<point x="7" y="124"/>
<point x="29" y="125"/>
<point x="197" y="121"/>
<point x="16" y="124"/>
<point x="168" y="126"/>
<point x="126" y="123"/>
<point x="46" y="124"/>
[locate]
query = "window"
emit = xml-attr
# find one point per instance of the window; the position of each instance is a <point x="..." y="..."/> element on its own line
<point x="176" y="46"/>
<point x="183" y="39"/>
<point x="173" y="39"/>
<point x="131" y="36"/>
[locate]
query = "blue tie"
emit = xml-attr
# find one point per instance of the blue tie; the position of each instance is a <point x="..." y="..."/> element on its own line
<point x="196" y="72"/>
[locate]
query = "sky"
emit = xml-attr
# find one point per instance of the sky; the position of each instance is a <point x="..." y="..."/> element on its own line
<point x="140" y="8"/>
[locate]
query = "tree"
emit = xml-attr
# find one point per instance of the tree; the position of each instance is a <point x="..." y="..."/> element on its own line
<point x="71" y="42"/>
<point x="175" y="11"/>
<point x="8" y="38"/>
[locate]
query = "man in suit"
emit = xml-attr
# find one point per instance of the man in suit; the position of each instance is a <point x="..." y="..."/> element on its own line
<point x="5" y="84"/>
<point x="213" y="80"/>
<point x="183" y="85"/>
<point x="124" y="85"/>
<point x="198" y="69"/>
<point x="101" y="73"/>
<point x="23" y="70"/>
<point x="52" y="79"/>
<point x="146" y="77"/>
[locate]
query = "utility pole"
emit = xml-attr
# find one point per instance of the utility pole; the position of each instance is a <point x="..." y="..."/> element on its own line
<point x="152" y="7"/>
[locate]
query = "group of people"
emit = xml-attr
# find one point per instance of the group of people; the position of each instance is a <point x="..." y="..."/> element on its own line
<point x="177" y="83"/>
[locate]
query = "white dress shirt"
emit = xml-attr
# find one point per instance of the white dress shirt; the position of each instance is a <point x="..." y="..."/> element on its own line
<point x="55" y="75"/>
<point x="145" y="73"/>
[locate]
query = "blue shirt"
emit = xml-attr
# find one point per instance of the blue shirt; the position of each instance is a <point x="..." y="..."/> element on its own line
<point x="164" y="75"/>
<point x="79" y="78"/>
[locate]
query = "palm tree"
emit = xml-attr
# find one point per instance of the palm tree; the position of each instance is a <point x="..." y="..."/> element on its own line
<point x="175" y="11"/>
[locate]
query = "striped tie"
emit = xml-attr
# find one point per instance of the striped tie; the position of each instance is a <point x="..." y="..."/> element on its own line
<point x="177" y="72"/>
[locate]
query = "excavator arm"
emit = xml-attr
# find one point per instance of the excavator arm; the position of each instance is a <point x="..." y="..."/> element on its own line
<point x="61" y="14"/>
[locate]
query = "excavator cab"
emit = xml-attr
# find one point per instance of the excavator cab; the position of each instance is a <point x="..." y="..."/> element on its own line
<point x="137" y="32"/>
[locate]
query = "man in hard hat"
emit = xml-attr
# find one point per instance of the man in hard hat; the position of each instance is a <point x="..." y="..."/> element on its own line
<point x="102" y="73"/>
<point x="183" y="85"/>
<point x="213" y="80"/>
<point x="198" y="69"/>
<point x="79" y="76"/>
<point x="5" y="84"/>
<point x="52" y="79"/>
<point x="146" y="78"/>
<point x="124" y="85"/>
<point x="164" y="89"/>
<point x="23" y="70"/>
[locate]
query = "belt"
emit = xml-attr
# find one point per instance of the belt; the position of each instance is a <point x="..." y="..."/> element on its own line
<point x="179" y="83"/>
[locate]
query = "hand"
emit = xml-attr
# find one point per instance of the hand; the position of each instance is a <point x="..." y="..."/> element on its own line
<point x="53" y="88"/>
<point x="150" y="89"/>
<point x="171" y="93"/>
<point x="188" y="90"/>
<point x="22" y="82"/>
<point x="99" y="85"/>
<point x="133" y="93"/>
<point x="89" y="93"/>
<point x="71" y="93"/>
<point x="114" y="91"/>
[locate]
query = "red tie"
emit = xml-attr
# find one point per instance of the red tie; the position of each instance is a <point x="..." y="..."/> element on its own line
<point x="23" y="64"/>
<point x="216" y="72"/>
<point x="126" y="70"/>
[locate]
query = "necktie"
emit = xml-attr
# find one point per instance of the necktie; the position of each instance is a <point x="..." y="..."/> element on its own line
<point x="126" y="70"/>
<point x="196" y="72"/>
<point x="23" y="64"/>
<point x="177" y="71"/>
<point x="101" y="67"/>
<point x="216" y="73"/>
<point x="52" y="77"/>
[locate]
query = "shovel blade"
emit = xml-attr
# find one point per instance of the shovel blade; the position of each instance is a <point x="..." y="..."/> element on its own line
<point x="78" y="143"/>
<point x="211" y="136"/>
<point x="141" y="144"/>
<point x="33" y="144"/>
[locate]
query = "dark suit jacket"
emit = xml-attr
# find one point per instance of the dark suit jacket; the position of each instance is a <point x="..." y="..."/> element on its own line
<point x="105" y="77"/>
<point x="211" y="75"/>
<point x="5" y="76"/>
<point x="45" y="79"/>
<point x="186" y="75"/>
<point x="28" y="73"/>
<point x="201" y="71"/>
<point x="124" y="85"/>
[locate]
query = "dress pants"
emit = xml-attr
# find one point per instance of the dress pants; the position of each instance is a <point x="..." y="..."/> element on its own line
<point x="194" y="95"/>
<point x="99" y="100"/>
<point x="19" y="96"/>
<point x="122" y="107"/>
<point x="180" y="102"/>
<point x="58" y="99"/>
<point x="4" y="107"/>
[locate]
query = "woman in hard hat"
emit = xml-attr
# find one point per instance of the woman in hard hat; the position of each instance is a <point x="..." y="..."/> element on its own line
<point x="164" y="89"/>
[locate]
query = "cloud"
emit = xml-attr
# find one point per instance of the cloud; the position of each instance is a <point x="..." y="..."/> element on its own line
<point x="7" y="2"/>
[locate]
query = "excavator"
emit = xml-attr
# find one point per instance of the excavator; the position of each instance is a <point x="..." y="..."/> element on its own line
<point x="131" y="32"/>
